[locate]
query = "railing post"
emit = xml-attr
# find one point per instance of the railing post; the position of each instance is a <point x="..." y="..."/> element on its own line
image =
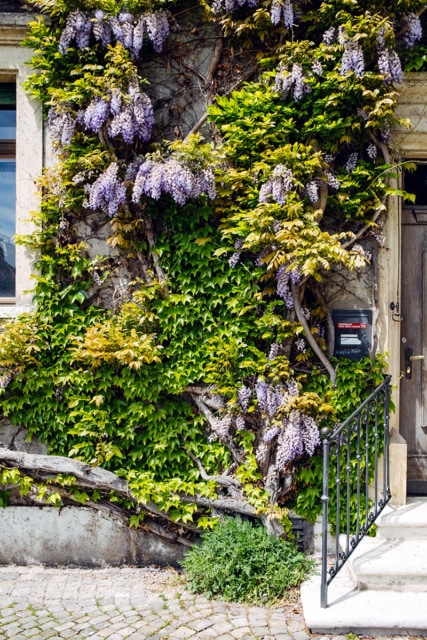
<point x="386" y="469"/>
<point x="325" y="432"/>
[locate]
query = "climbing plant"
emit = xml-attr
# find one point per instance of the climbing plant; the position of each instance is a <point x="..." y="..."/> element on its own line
<point x="180" y="337"/>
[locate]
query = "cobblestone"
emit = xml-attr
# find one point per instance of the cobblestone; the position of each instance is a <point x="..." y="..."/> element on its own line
<point x="149" y="603"/>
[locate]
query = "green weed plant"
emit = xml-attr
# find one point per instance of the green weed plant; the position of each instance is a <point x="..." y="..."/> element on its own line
<point x="240" y="562"/>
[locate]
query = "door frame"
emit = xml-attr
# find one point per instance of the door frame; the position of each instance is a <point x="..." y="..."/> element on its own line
<point x="410" y="144"/>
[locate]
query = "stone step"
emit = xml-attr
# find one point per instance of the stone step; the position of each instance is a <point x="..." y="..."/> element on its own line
<point x="409" y="521"/>
<point x="398" y="564"/>
<point x="369" y="613"/>
<point x="382" y="589"/>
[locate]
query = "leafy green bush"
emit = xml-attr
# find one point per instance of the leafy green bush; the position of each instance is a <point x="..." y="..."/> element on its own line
<point x="239" y="561"/>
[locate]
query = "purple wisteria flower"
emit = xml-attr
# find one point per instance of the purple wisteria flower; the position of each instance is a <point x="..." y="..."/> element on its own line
<point x="282" y="9"/>
<point x="157" y="25"/>
<point x="261" y="390"/>
<point x="223" y="426"/>
<point x="231" y="5"/>
<point x="278" y="185"/>
<point x="385" y="134"/>
<point x="132" y="169"/>
<point x="414" y="30"/>
<point x="135" y="120"/>
<point x="274" y="351"/>
<point x="351" y="163"/>
<point x="240" y="423"/>
<point x="312" y="191"/>
<point x="244" y="395"/>
<point x="330" y="36"/>
<point x="126" y="28"/>
<point x="298" y="432"/>
<point x="261" y="452"/>
<point x="372" y="150"/>
<point x="358" y="249"/>
<point x="300" y="345"/>
<point x="272" y="433"/>
<point x="62" y="125"/>
<point x="332" y="180"/>
<point x="77" y="27"/>
<point x="101" y="28"/>
<point x="390" y="66"/>
<point x="289" y="443"/>
<point x="96" y="114"/>
<point x="233" y="261"/>
<point x="107" y="192"/>
<point x="353" y="59"/>
<point x="282" y="286"/>
<point x="294" y="79"/>
<point x="316" y="67"/>
<point x="174" y="178"/>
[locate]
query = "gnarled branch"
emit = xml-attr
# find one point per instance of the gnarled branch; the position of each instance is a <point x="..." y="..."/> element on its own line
<point x="310" y="338"/>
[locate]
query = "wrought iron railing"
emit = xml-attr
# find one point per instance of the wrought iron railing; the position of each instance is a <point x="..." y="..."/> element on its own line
<point x="356" y="484"/>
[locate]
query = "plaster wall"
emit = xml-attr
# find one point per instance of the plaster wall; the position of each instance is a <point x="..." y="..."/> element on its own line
<point x="78" y="536"/>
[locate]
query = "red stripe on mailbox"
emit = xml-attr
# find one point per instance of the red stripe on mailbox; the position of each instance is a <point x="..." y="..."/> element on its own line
<point x="352" y="325"/>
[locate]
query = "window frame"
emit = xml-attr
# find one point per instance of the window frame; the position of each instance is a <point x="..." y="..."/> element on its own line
<point x="30" y="152"/>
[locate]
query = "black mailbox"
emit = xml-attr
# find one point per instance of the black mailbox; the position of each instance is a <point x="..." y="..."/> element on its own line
<point x="353" y="333"/>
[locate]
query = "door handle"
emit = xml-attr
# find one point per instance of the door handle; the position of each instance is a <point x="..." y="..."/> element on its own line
<point x="409" y="359"/>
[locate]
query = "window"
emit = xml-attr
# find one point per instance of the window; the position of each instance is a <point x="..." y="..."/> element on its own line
<point x="7" y="189"/>
<point x="416" y="182"/>
<point x="22" y="151"/>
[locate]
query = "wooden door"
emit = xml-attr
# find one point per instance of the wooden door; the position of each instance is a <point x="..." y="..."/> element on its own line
<point x="413" y="384"/>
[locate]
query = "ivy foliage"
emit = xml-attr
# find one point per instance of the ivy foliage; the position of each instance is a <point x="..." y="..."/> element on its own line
<point x="180" y="333"/>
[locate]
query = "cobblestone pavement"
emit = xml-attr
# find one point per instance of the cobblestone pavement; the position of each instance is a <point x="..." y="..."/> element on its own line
<point x="134" y="603"/>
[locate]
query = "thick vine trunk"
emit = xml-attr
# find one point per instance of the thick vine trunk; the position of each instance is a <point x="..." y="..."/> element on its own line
<point x="46" y="467"/>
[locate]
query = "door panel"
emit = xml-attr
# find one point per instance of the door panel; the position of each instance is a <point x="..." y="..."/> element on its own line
<point x="413" y="391"/>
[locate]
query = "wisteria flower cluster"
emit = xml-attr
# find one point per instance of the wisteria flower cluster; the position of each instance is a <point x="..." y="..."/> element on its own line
<point x="389" y="65"/>
<point x="171" y="177"/>
<point x="231" y="5"/>
<point x="275" y="350"/>
<point x="283" y="277"/>
<point x="363" y="253"/>
<point x="312" y="191"/>
<point x="351" y="163"/>
<point x="330" y="35"/>
<point x="244" y="395"/>
<point x="294" y="80"/>
<point x="372" y="150"/>
<point x="353" y="59"/>
<point x="62" y="125"/>
<point x="175" y="178"/>
<point x="278" y="186"/>
<point x="126" y="28"/>
<point x="5" y="380"/>
<point x="413" y="29"/>
<point x="128" y="115"/>
<point x="282" y="10"/>
<point x="238" y="245"/>
<point x="296" y="432"/>
<point x="107" y="192"/>
<point x="332" y="180"/>
<point x="299" y="434"/>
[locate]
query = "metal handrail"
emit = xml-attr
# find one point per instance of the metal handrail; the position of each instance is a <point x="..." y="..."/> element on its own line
<point x="360" y="440"/>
